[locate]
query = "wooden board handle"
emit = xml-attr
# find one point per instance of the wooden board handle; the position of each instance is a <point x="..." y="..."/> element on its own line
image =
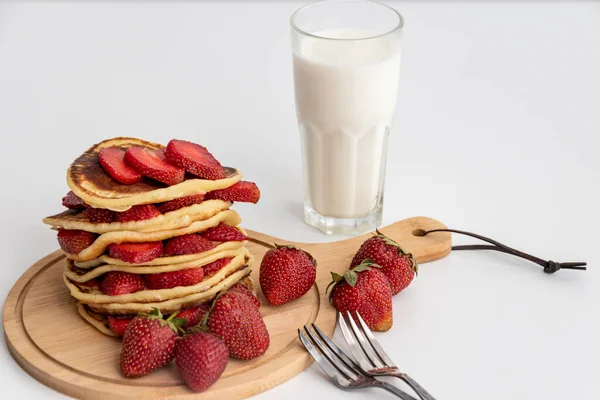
<point x="408" y="233"/>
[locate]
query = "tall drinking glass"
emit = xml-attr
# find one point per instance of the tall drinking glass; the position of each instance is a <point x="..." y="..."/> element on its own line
<point x="346" y="71"/>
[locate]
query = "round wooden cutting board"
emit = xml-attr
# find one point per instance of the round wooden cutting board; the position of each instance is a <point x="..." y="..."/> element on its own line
<point x="51" y="342"/>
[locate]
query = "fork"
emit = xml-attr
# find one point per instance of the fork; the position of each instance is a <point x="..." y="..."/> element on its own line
<point x="342" y="371"/>
<point x="372" y="360"/>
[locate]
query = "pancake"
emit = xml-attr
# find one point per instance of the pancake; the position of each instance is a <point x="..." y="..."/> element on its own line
<point x="164" y="260"/>
<point x="90" y="295"/>
<point x="80" y="275"/>
<point x="88" y="180"/>
<point x="172" y="305"/>
<point x="99" y="246"/>
<point x="99" y="320"/>
<point x="74" y="219"/>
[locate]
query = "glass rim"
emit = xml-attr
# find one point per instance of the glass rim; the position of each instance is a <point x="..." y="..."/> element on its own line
<point x="295" y="27"/>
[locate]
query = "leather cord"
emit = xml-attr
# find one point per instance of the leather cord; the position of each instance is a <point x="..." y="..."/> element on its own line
<point x="549" y="266"/>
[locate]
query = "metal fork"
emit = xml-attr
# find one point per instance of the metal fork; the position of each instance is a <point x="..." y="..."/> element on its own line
<point x="370" y="356"/>
<point x="342" y="371"/>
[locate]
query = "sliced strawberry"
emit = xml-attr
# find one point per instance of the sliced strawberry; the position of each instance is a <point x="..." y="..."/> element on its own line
<point x="91" y="283"/>
<point x="195" y="159"/>
<point x="72" y="201"/>
<point x="153" y="164"/>
<point x="181" y="202"/>
<point x="193" y="315"/>
<point x="112" y="160"/>
<point x="223" y="233"/>
<point x="75" y="241"/>
<point x="116" y="283"/>
<point x="215" y="266"/>
<point x="243" y="191"/>
<point x="238" y="287"/>
<point x="118" y="325"/>
<point x="138" y="213"/>
<point x="168" y="280"/>
<point x="136" y="253"/>
<point x="188" y="244"/>
<point x="99" y="215"/>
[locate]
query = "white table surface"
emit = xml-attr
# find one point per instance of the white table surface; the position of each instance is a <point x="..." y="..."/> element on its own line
<point x="496" y="132"/>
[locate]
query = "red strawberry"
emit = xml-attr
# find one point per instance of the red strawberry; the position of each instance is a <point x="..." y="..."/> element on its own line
<point x="148" y="344"/>
<point x="118" y="324"/>
<point x="195" y="159"/>
<point x="167" y="280"/>
<point x="239" y="288"/>
<point x="188" y="244"/>
<point x="138" y="213"/>
<point x="235" y="319"/>
<point x="136" y="253"/>
<point x="153" y="164"/>
<point x="243" y="191"/>
<point x="74" y="241"/>
<point x="201" y="358"/>
<point x="116" y="283"/>
<point x="193" y="315"/>
<point x="366" y="290"/>
<point x="215" y="266"/>
<point x="286" y="274"/>
<point x="223" y="233"/>
<point x="181" y="202"/>
<point x="398" y="265"/>
<point x="99" y="215"/>
<point x="112" y="160"/>
<point x="72" y="201"/>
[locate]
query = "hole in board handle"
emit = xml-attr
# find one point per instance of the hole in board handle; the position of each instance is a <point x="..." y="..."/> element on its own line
<point x="418" y="232"/>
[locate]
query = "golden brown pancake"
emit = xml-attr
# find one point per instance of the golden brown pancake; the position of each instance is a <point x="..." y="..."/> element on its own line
<point x="81" y="275"/>
<point x="99" y="320"/>
<point x="172" y="305"/>
<point x="75" y="219"/>
<point x="91" y="295"/>
<point x="88" y="180"/>
<point x="95" y="319"/>
<point x="99" y="246"/>
<point x="164" y="260"/>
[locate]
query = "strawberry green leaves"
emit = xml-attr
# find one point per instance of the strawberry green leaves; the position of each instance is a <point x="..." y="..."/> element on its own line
<point x="350" y="276"/>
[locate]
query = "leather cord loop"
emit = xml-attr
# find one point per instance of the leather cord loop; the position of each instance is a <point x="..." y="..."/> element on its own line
<point x="549" y="266"/>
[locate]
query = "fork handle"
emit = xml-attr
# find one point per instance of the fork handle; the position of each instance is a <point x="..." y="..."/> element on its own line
<point x="393" y="389"/>
<point x="423" y="394"/>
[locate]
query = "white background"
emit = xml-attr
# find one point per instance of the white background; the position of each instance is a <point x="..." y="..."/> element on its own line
<point x="496" y="132"/>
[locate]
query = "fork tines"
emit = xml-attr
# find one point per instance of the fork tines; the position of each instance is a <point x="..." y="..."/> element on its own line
<point x="340" y="368"/>
<point x="372" y="360"/>
<point x="366" y="350"/>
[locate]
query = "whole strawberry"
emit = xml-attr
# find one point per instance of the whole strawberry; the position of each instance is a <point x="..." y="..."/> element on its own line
<point x="148" y="343"/>
<point x="286" y="274"/>
<point x="399" y="266"/>
<point x="367" y="290"/>
<point x="201" y="358"/>
<point x="236" y="320"/>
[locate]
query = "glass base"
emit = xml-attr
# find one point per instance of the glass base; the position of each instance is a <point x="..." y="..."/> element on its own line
<point x="343" y="226"/>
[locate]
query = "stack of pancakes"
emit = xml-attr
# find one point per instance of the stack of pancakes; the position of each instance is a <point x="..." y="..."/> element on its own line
<point x="89" y="182"/>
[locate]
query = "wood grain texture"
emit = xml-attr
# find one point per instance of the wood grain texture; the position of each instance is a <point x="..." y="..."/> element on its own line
<point x="51" y="342"/>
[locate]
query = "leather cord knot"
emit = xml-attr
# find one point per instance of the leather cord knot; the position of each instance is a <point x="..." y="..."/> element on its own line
<point x="550" y="266"/>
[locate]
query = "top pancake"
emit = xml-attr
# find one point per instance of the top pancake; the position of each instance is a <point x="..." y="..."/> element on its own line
<point x="88" y="180"/>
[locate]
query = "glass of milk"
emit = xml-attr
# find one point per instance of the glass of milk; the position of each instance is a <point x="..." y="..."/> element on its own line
<point x="346" y="71"/>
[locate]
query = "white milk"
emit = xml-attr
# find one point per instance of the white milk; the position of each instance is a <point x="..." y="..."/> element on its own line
<point x="345" y="100"/>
